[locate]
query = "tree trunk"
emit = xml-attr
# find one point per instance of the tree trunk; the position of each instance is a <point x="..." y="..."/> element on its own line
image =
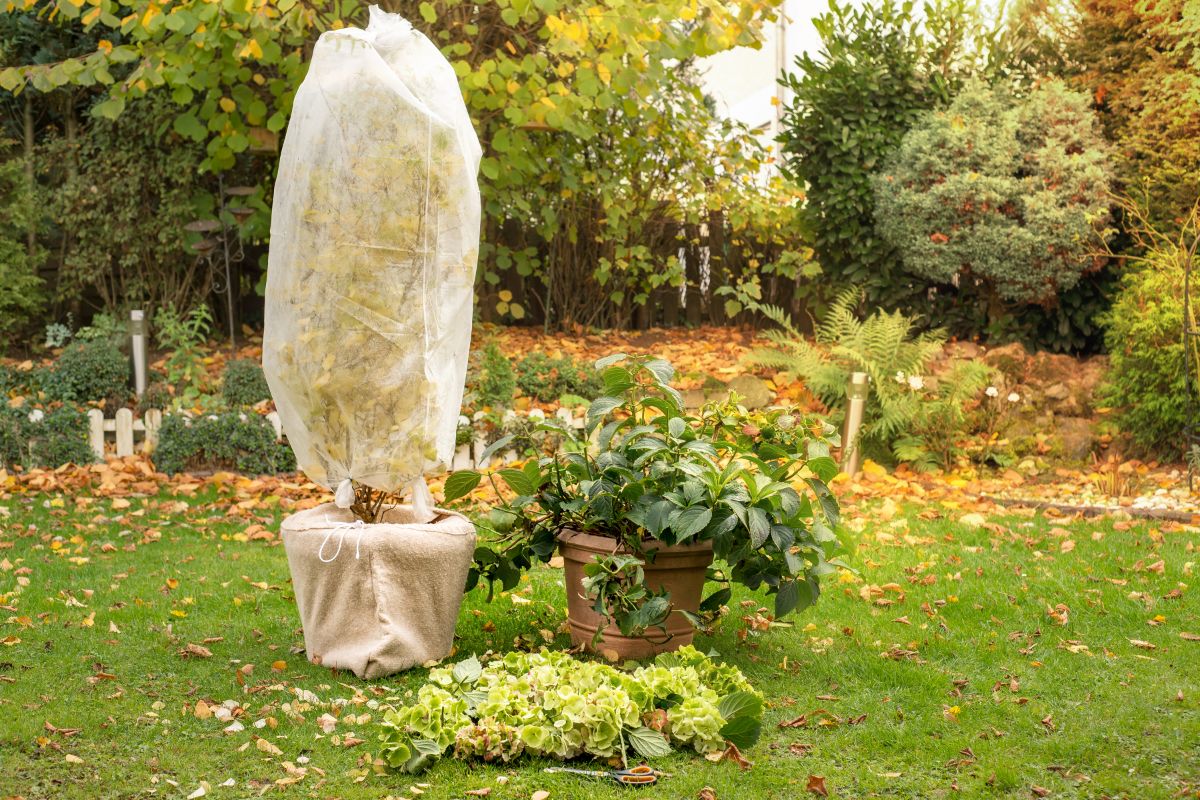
<point x="30" y="177"/>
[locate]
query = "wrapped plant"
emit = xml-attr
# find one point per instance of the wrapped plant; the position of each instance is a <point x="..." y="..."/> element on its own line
<point x="374" y="241"/>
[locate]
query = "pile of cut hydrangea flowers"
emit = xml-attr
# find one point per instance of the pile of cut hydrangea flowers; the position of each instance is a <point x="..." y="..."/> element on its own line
<point x="549" y="704"/>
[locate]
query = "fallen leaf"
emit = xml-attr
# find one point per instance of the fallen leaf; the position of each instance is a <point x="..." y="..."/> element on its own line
<point x="484" y="792"/>
<point x="816" y="785"/>
<point x="707" y="793"/>
<point x="540" y="794"/>
<point x="196" y="651"/>
<point x="267" y="747"/>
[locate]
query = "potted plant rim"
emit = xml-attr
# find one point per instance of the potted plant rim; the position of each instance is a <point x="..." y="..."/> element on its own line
<point x="655" y="502"/>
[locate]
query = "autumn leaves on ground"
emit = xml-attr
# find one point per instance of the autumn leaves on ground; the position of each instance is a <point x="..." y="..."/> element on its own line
<point x="149" y="647"/>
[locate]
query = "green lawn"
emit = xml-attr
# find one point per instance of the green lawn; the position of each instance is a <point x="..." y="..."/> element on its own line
<point x="957" y="676"/>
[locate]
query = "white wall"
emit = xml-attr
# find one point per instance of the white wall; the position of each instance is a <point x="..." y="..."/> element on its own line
<point x="743" y="81"/>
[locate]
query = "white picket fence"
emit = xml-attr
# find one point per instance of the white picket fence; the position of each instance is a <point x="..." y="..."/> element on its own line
<point x="470" y="456"/>
<point x="133" y="435"/>
<point x="125" y="430"/>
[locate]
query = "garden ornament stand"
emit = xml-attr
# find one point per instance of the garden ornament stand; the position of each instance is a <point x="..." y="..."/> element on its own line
<point x="374" y="242"/>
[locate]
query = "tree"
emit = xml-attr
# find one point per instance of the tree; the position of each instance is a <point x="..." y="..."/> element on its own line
<point x="1011" y="193"/>
<point x="599" y="145"/>
<point x="21" y="293"/>
<point x="878" y="69"/>
<point x="1140" y="62"/>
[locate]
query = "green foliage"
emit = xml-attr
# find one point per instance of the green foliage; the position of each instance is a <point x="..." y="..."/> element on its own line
<point x="1010" y="192"/>
<point x="183" y="334"/>
<point x="57" y="334"/>
<point x="884" y="345"/>
<point x="21" y="293"/>
<point x="546" y="378"/>
<point x="230" y="440"/>
<point x="496" y="382"/>
<point x="228" y="70"/>
<point x="1147" y="381"/>
<point x="570" y="97"/>
<point x="122" y="193"/>
<point x="104" y="327"/>
<point x="852" y="102"/>
<point x="548" y="704"/>
<point x="660" y="474"/>
<point x="1140" y="62"/>
<point x="244" y="383"/>
<point x="939" y="429"/>
<point x="39" y="438"/>
<point x="89" y="372"/>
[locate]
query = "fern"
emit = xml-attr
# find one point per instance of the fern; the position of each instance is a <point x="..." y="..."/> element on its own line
<point x="883" y="345"/>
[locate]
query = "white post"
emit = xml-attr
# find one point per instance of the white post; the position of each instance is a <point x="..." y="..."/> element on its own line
<point x="151" y="421"/>
<point x="124" y="432"/>
<point x="137" y="331"/>
<point x="276" y="423"/>
<point x="856" y="405"/>
<point x="96" y="432"/>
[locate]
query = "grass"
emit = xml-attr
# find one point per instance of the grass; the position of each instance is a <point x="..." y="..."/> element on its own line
<point x="983" y="693"/>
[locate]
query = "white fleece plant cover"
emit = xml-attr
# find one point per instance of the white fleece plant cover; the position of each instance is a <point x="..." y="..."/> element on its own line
<point x="374" y="241"/>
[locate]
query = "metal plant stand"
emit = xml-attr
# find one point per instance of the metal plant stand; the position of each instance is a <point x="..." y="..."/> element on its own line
<point x="222" y="247"/>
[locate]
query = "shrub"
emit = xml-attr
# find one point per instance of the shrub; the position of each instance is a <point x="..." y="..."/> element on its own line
<point x="38" y="438"/>
<point x="941" y="424"/>
<point x="89" y="371"/>
<point x="184" y="334"/>
<point x="244" y="383"/>
<point x="547" y="379"/>
<point x="1146" y="381"/>
<point x="231" y="440"/>
<point x="496" y="382"/>
<point x="21" y="295"/>
<point x="874" y="76"/>
<point x="1010" y="193"/>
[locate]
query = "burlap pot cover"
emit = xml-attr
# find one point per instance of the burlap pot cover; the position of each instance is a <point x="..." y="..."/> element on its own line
<point x="377" y="599"/>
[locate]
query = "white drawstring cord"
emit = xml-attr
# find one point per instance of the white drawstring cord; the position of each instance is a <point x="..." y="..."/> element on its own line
<point x="358" y="523"/>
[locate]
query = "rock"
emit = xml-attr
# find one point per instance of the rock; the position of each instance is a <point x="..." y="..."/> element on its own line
<point x="1009" y="359"/>
<point x="1058" y="391"/>
<point x="754" y="391"/>
<point x="1076" y="436"/>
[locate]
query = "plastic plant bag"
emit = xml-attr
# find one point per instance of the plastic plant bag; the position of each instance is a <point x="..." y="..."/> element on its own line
<point x="374" y="242"/>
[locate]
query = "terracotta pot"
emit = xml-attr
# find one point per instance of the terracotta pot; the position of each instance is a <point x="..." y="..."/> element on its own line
<point x="679" y="569"/>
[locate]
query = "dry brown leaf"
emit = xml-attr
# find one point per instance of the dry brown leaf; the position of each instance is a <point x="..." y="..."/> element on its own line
<point x="196" y="651"/>
<point x="816" y="785"/>
<point x="267" y="747"/>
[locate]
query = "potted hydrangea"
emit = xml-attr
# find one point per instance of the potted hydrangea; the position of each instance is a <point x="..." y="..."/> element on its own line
<point x="640" y="513"/>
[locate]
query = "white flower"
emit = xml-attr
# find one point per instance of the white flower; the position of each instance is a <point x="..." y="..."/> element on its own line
<point x="916" y="382"/>
<point x="463" y="422"/>
<point x="992" y="391"/>
<point x="899" y="377"/>
<point x="37" y="415"/>
<point x="1013" y="397"/>
<point x="537" y="413"/>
